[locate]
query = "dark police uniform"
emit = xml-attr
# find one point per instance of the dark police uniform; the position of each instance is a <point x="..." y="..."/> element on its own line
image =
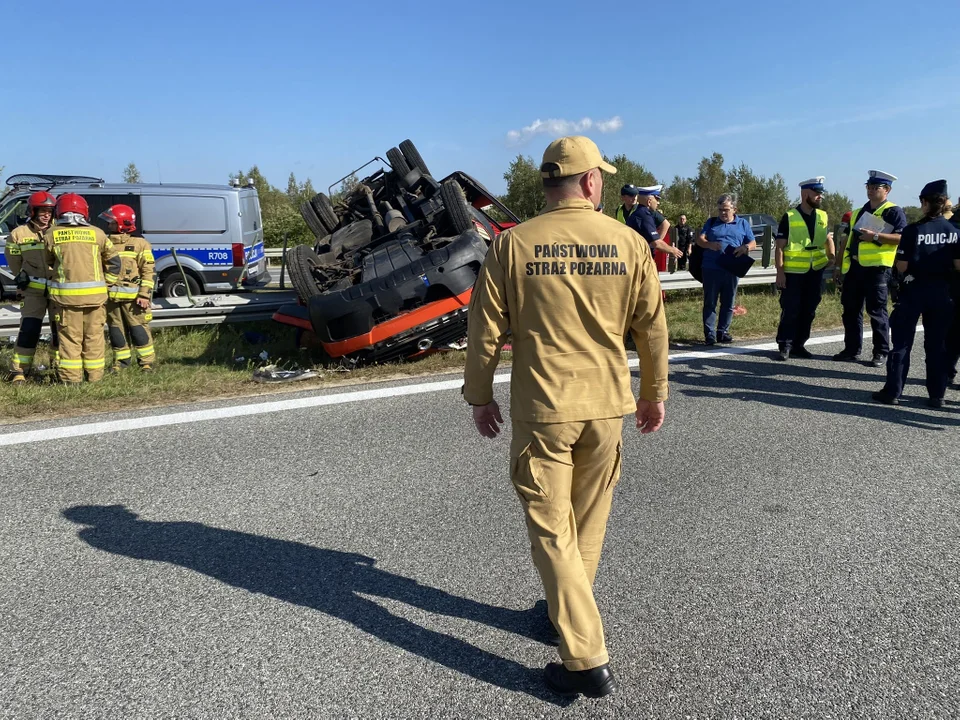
<point x="929" y="247"/>
<point x="645" y="222"/>
<point x="953" y="337"/>
<point x="867" y="283"/>
<point x="684" y="241"/>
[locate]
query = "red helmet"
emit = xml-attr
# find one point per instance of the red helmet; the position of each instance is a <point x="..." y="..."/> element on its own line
<point x="847" y="215"/>
<point x="41" y="200"/>
<point x="71" y="202"/>
<point x="123" y="216"/>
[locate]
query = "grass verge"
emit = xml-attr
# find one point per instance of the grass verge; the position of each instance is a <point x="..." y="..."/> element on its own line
<point x="206" y="363"/>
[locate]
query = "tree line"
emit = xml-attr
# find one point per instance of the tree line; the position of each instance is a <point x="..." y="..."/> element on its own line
<point x="695" y="196"/>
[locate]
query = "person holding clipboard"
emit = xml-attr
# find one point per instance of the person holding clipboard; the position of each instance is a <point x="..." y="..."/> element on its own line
<point x="868" y="253"/>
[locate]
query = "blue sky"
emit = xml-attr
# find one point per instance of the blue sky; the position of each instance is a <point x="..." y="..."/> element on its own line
<point x="193" y="91"/>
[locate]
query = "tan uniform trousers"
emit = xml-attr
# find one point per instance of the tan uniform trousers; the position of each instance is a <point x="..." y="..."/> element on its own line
<point x="82" y="345"/>
<point x="32" y="309"/>
<point x="565" y="474"/>
<point x="128" y="316"/>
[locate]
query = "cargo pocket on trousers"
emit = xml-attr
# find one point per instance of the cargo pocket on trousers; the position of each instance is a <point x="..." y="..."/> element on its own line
<point x="615" y="469"/>
<point x="526" y="476"/>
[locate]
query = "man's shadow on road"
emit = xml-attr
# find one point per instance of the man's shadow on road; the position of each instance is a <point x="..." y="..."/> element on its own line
<point x="794" y="385"/>
<point x="326" y="580"/>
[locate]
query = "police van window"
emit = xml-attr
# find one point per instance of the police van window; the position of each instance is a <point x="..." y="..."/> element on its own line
<point x="12" y="214"/>
<point x="184" y="214"/>
<point x="249" y="213"/>
<point x="99" y="203"/>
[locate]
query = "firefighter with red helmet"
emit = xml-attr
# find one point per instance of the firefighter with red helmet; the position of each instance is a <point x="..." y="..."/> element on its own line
<point x="27" y="261"/>
<point x="128" y="303"/>
<point x="83" y="264"/>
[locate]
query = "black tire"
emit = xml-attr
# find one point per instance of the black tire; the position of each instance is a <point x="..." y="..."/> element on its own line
<point x="455" y="203"/>
<point x="313" y="222"/>
<point x="397" y="163"/>
<point x="412" y="156"/>
<point x="324" y="209"/>
<point x="300" y="263"/>
<point x="173" y="285"/>
<point x="353" y="236"/>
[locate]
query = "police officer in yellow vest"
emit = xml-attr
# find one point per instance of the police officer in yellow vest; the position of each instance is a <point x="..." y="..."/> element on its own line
<point x="27" y="261"/>
<point x="803" y="250"/>
<point x="83" y="263"/>
<point x="567" y="286"/>
<point x="868" y="255"/>
<point x="628" y="202"/>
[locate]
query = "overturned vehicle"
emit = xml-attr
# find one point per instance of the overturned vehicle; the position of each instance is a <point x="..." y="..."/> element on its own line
<point x="395" y="261"/>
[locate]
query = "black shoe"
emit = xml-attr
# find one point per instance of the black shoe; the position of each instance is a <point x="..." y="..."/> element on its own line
<point x="724" y="337"/>
<point x="879" y="360"/>
<point x="709" y="341"/>
<point x="881" y="397"/>
<point x="935" y="402"/>
<point x="847" y="356"/>
<point x="802" y="353"/>
<point x="595" y="682"/>
<point x="783" y="354"/>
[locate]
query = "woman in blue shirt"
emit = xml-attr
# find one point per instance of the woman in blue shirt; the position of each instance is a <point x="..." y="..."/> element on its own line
<point x="726" y="233"/>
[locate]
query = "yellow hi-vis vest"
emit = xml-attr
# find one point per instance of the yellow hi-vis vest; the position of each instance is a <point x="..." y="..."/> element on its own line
<point x="869" y="254"/>
<point x="623" y="218"/>
<point x="802" y="252"/>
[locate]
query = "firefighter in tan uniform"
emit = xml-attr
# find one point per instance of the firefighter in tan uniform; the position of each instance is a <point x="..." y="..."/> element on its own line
<point x="128" y="304"/>
<point x="83" y="263"/>
<point x="568" y="286"/>
<point x="28" y="264"/>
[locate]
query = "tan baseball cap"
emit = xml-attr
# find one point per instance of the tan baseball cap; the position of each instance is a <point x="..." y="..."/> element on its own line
<point x="572" y="155"/>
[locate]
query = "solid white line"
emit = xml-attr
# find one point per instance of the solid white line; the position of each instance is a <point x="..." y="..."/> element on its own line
<point x="180" y="418"/>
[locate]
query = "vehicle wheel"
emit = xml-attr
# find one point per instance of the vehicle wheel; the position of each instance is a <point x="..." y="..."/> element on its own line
<point x="324" y="209"/>
<point x="312" y="221"/>
<point x="300" y="263"/>
<point x="353" y="236"/>
<point x="455" y="203"/>
<point x="412" y="156"/>
<point x="174" y="285"/>
<point x="397" y="162"/>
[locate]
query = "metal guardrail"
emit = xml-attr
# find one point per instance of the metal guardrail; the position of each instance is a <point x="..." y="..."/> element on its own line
<point x="179" y="312"/>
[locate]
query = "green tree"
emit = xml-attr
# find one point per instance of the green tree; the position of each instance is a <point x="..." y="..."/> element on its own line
<point x="628" y="173"/>
<point x="281" y="217"/>
<point x="680" y="198"/>
<point x="524" y="188"/>
<point x="757" y="194"/>
<point x="709" y="184"/>
<point x="835" y="205"/>
<point x="913" y="213"/>
<point x="131" y="174"/>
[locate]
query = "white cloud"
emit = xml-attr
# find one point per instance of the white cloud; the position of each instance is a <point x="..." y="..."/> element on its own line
<point x="559" y="127"/>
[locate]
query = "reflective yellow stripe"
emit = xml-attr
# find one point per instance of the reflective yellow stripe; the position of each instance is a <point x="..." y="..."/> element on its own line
<point x="23" y="359"/>
<point x="122" y="292"/>
<point x="145" y="351"/>
<point x="146" y="283"/>
<point x="76" y="292"/>
<point x="71" y="364"/>
<point x="94" y="364"/>
<point x="122" y="354"/>
<point x="127" y="254"/>
<point x="37" y="284"/>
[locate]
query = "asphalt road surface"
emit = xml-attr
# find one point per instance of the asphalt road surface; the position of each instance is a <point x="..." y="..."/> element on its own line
<point x="783" y="548"/>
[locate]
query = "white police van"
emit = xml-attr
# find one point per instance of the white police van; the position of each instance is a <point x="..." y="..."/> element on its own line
<point x="216" y="229"/>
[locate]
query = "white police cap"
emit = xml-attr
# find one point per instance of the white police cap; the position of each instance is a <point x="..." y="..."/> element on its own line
<point x="650" y="190"/>
<point x="814" y="183"/>
<point x="878" y="177"/>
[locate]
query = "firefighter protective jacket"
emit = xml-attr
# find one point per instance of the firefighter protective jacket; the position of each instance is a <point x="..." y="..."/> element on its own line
<point x="25" y="251"/>
<point x="136" y="276"/>
<point x="83" y="263"/>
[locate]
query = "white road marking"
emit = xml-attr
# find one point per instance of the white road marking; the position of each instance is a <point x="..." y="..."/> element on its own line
<point x="223" y="413"/>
